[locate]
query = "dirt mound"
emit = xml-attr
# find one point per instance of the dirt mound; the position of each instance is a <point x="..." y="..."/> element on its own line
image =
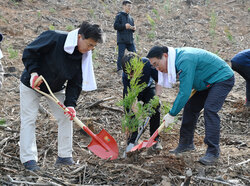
<point x="219" y="26"/>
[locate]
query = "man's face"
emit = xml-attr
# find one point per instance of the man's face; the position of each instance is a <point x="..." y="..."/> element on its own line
<point x="85" y="45"/>
<point x="160" y="64"/>
<point x="127" y="7"/>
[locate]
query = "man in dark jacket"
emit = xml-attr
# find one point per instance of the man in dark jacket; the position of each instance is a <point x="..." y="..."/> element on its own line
<point x="57" y="56"/>
<point x="1" y="67"/>
<point x="241" y="64"/>
<point x="124" y="24"/>
<point x="150" y="77"/>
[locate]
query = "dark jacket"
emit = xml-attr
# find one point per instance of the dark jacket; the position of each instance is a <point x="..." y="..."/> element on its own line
<point x="46" y="56"/>
<point x="124" y="35"/>
<point x="149" y="76"/>
<point x="242" y="58"/>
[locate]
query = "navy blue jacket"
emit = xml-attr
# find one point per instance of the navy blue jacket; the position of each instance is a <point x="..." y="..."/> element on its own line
<point x="242" y="58"/>
<point x="149" y="76"/>
<point x="46" y="56"/>
<point x="124" y="35"/>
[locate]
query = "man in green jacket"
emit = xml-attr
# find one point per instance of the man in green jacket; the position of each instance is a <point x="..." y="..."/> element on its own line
<point x="210" y="76"/>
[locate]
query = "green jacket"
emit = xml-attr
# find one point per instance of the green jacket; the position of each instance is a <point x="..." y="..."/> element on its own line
<point x="199" y="69"/>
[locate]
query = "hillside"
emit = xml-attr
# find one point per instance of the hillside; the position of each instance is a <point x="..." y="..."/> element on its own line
<point x="219" y="26"/>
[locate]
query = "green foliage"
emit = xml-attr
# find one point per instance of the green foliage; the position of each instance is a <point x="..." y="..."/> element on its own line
<point x="51" y="27"/>
<point x="39" y="14"/>
<point x="96" y="64"/>
<point x="12" y="53"/>
<point x="94" y="54"/>
<point x="228" y="34"/>
<point x="4" y="19"/>
<point x="165" y="108"/>
<point x="213" y="22"/>
<point x="52" y="10"/>
<point x="2" y="121"/>
<point x="131" y="121"/>
<point x="167" y="7"/>
<point x="14" y="2"/>
<point x="248" y="10"/>
<point x="151" y="34"/>
<point x="92" y="13"/>
<point x="151" y="21"/>
<point x="156" y="14"/>
<point x="69" y="28"/>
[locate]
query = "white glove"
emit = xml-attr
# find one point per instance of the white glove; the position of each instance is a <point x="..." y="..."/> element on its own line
<point x="71" y="113"/>
<point x="33" y="78"/>
<point x="168" y="119"/>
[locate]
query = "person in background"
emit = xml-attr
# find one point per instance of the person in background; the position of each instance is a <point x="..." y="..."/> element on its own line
<point x="210" y="76"/>
<point x="124" y="24"/>
<point x="1" y="66"/>
<point x="241" y="64"/>
<point x="150" y="77"/>
<point x="65" y="61"/>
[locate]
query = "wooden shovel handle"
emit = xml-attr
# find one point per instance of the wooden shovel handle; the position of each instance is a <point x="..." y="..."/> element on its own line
<point x="53" y="98"/>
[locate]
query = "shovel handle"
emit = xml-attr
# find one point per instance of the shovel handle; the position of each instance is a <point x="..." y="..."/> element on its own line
<point x="62" y="106"/>
<point x="142" y="129"/>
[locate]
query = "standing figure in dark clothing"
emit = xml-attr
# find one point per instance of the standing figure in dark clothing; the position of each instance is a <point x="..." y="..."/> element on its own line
<point x="65" y="61"/>
<point x="124" y="24"/>
<point x="241" y="64"/>
<point x="150" y="77"/>
<point x="1" y="67"/>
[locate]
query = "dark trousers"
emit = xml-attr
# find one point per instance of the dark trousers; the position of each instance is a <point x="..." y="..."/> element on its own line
<point x="121" y="50"/>
<point x="154" y="122"/>
<point x="244" y="71"/>
<point x="211" y="100"/>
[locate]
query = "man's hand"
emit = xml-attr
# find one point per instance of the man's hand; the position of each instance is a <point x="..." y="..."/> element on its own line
<point x="71" y="113"/>
<point x="168" y="119"/>
<point x="33" y="78"/>
<point x="133" y="28"/>
<point x="128" y="26"/>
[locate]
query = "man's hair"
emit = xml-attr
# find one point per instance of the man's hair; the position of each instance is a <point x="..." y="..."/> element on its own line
<point x="157" y="51"/>
<point x="126" y="2"/>
<point x="126" y="59"/>
<point x="92" y="31"/>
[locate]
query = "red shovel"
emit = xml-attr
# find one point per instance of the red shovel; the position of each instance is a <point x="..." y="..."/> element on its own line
<point x="102" y="144"/>
<point x="151" y="141"/>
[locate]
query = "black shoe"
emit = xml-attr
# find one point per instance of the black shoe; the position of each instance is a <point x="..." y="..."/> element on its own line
<point x="183" y="148"/>
<point x="209" y="159"/>
<point x="31" y="165"/>
<point x="64" y="161"/>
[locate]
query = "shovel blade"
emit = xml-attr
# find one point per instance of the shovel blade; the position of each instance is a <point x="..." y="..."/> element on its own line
<point x="104" y="146"/>
<point x="144" y="144"/>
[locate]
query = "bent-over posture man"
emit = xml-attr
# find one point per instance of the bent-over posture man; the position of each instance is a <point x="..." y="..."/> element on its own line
<point x="65" y="61"/>
<point x="210" y="76"/>
<point x="241" y="64"/>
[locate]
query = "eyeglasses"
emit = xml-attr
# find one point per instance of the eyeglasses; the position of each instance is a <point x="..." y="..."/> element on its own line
<point x="155" y="64"/>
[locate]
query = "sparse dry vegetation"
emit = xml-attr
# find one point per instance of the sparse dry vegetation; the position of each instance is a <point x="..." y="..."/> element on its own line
<point x="177" y="23"/>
